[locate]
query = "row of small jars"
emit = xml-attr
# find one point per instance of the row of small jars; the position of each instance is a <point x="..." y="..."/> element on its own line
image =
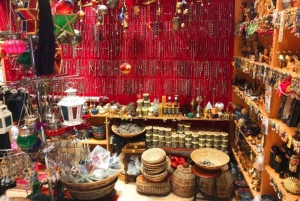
<point x="187" y="145"/>
<point x="195" y="136"/>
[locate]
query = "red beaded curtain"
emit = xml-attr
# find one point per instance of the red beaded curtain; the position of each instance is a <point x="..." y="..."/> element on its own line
<point x="194" y="60"/>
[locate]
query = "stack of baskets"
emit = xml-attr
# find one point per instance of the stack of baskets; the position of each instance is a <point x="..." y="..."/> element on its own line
<point x="93" y="190"/>
<point x="155" y="164"/>
<point x="155" y="167"/>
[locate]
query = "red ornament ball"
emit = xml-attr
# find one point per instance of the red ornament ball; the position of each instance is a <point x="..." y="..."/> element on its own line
<point x="125" y="68"/>
<point x="64" y="7"/>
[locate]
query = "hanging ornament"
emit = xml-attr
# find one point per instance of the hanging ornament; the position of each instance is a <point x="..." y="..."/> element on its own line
<point x="26" y="137"/>
<point x="14" y="46"/>
<point x="102" y="9"/>
<point x="25" y="60"/>
<point x="65" y="7"/>
<point x="63" y="23"/>
<point x="125" y="68"/>
<point x="112" y="3"/>
<point x="81" y="15"/>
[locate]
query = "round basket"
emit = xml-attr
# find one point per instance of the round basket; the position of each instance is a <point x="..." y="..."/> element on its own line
<point x="128" y="135"/>
<point x="292" y="185"/>
<point x="217" y="157"/>
<point x="154" y="170"/>
<point x="93" y="185"/>
<point x="157" y="177"/>
<point x="156" y="165"/>
<point x="93" y="194"/>
<point x="154" y="156"/>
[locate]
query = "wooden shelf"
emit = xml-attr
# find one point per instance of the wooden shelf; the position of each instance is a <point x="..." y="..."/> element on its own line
<point x="94" y="141"/>
<point x="165" y="118"/>
<point x="278" y="181"/>
<point x="273" y="122"/>
<point x="253" y="147"/>
<point x="246" y="175"/>
<point x="250" y="68"/>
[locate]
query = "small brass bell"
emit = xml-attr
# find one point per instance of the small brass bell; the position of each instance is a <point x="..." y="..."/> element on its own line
<point x="125" y="24"/>
<point x="185" y="11"/>
<point x="179" y="11"/>
<point x="179" y="5"/>
<point x="136" y="10"/>
<point x="182" y="25"/>
<point x="176" y="22"/>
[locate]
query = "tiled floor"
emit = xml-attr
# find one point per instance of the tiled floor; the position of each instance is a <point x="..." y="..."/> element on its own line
<point x="127" y="192"/>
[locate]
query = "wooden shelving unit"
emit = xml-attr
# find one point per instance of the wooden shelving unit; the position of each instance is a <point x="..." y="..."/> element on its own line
<point x="253" y="147"/>
<point x="100" y="119"/>
<point x="245" y="174"/>
<point x="278" y="181"/>
<point x="279" y="132"/>
<point x="279" y="124"/>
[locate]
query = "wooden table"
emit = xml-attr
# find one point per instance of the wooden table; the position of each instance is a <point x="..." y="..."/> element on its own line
<point x="127" y="154"/>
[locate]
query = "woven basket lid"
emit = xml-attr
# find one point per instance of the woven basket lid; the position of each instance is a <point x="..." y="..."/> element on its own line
<point x="184" y="169"/>
<point x="153" y="155"/>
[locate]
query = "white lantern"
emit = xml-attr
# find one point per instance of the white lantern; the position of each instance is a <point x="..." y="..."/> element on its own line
<point x="5" y="119"/>
<point x="71" y="108"/>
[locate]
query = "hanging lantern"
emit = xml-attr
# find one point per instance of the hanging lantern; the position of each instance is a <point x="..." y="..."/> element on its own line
<point x="71" y="108"/>
<point x="25" y="60"/>
<point x="125" y="68"/>
<point x="26" y="137"/>
<point x="65" y="7"/>
<point x="13" y="45"/>
<point x="5" y="119"/>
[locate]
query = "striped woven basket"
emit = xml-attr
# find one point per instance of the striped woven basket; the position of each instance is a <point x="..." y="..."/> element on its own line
<point x="146" y="187"/>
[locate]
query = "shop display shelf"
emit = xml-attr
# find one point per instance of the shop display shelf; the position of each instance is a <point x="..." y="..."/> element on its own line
<point x="246" y="175"/>
<point x="253" y="147"/>
<point x="279" y="182"/>
<point x="274" y="123"/>
<point x="164" y="118"/>
<point x="249" y="101"/>
<point x="278" y="70"/>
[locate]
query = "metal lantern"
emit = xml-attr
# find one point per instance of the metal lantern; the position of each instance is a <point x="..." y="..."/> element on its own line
<point x="71" y="108"/>
<point x="5" y="119"/>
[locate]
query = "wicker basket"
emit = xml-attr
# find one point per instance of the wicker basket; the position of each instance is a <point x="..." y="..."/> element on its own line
<point x="93" y="194"/>
<point x="156" y="177"/>
<point x="154" y="156"/>
<point x="93" y="185"/>
<point x="217" y="157"/>
<point x="154" y="166"/>
<point x="130" y="135"/>
<point x="154" y="170"/>
<point x="292" y="185"/>
<point x="224" y="184"/>
<point x="146" y="187"/>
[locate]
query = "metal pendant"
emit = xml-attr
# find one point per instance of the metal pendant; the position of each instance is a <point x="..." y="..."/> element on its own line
<point x="112" y="4"/>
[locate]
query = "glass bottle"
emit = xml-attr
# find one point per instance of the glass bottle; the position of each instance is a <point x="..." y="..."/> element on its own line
<point x="278" y="166"/>
<point x="294" y="166"/>
<point x="274" y="151"/>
